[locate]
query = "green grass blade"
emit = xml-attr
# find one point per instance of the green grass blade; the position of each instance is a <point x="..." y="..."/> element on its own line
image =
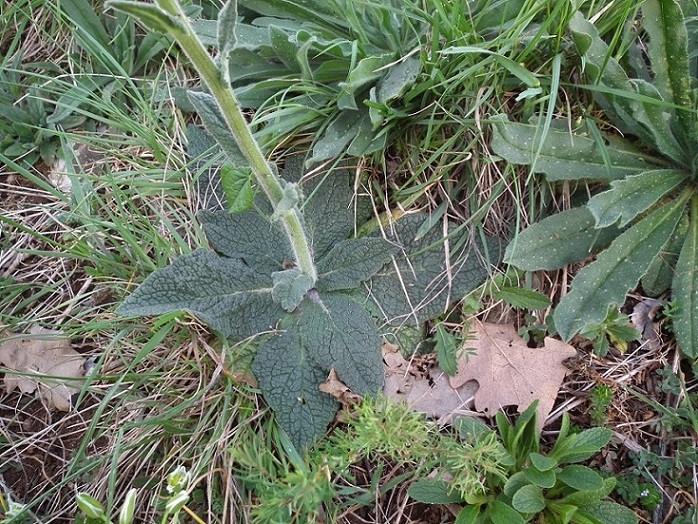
<point x="685" y="289"/>
<point x="617" y="270"/>
<point x="668" y="49"/>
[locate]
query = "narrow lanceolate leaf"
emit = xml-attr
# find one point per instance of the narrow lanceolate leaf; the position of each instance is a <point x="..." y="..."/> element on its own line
<point x="150" y="15"/>
<point x="558" y="240"/>
<point x="616" y="271"/>
<point x="215" y="124"/>
<point x="225" y="293"/>
<point x="668" y="49"/>
<point x="290" y="383"/>
<point x="628" y="198"/>
<point x="353" y="261"/>
<point x="227" y="36"/>
<point x="521" y="297"/>
<point x="607" y="512"/>
<point x="685" y="289"/>
<point x="339" y="333"/>
<point x="562" y="155"/>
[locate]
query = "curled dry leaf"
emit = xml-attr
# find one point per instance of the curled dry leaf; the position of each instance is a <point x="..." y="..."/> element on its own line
<point x="49" y="362"/>
<point x="644" y="319"/>
<point x="510" y="373"/>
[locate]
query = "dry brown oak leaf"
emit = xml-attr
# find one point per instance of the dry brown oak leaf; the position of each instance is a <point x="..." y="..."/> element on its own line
<point x="49" y="358"/>
<point x="510" y="373"/>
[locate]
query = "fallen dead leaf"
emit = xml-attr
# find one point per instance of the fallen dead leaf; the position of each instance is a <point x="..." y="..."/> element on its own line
<point x="644" y="319"/>
<point x="509" y="372"/>
<point x="339" y="390"/>
<point x="41" y="352"/>
<point x="425" y="388"/>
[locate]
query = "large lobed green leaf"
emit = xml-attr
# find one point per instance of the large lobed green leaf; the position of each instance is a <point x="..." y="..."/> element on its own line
<point x="430" y="272"/>
<point x="562" y="155"/>
<point x="685" y="289"/>
<point x="616" y="270"/>
<point x="225" y="293"/>
<point x="558" y="240"/>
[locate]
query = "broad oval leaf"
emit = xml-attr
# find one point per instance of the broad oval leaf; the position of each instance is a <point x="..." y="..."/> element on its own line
<point x="225" y="293"/>
<point x="558" y="240"/>
<point x="290" y="382"/>
<point x="541" y="462"/>
<point x="629" y="197"/>
<point x="501" y="513"/>
<point x="528" y="499"/>
<point x="685" y="289"/>
<point x="581" y="478"/>
<point x="615" y="271"/>
<point x="543" y="479"/>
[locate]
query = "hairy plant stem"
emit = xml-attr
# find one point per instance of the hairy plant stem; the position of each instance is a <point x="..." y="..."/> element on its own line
<point x="230" y="107"/>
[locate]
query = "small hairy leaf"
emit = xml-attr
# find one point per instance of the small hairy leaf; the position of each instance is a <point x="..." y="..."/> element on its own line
<point x="420" y="282"/>
<point x="563" y="155"/>
<point x="247" y="236"/>
<point x="237" y="186"/>
<point x="629" y="197"/>
<point x="528" y="499"/>
<point x="338" y="333"/>
<point x="433" y="491"/>
<point x="581" y="478"/>
<point x="558" y="240"/>
<point x="226" y="26"/>
<point x="541" y="462"/>
<point x="210" y="114"/>
<point x="290" y="286"/>
<point x="353" y="261"/>
<point x="223" y="292"/>
<point x="685" y="289"/>
<point x="446" y="348"/>
<point x="580" y="447"/>
<point x="615" y="271"/>
<point x="150" y="15"/>
<point x="400" y="77"/>
<point x="543" y="479"/>
<point x="290" y="383"/>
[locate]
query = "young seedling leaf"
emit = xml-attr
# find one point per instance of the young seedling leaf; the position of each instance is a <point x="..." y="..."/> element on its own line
<point x="446" y="349"/>
<point x="226" y="28"/>
<point x="353" y="261"/>
<point x="629" y="197"/>
<point x="563" y="155"/>
<point x="290" y="286"/>
<point x="237" y="186"/>
<point x="433" y="491"/>
<point x="290" y="383"/>
<point x="685" y="289"/>
<point x="615" y="271"/>
<point x="558" y="240"/>
<point x="223" y="292"/>
<point x="521" y="297"/>
<point x="44" y="360"/>
<point x="339" y="333"/>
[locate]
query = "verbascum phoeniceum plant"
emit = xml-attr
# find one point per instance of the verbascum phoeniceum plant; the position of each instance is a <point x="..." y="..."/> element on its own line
<point x="642" y="218"/>
<point x="286" y="269"/>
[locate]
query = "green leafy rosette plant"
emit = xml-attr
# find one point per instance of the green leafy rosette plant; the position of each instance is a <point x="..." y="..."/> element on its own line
<point x="645" y="225"/>
<point x="288" y="269"/>
<point x="522" y="483"/>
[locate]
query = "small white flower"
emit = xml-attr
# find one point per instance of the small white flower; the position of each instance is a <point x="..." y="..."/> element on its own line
<point x="177" y="480"/>
<point x="644" y="493"/>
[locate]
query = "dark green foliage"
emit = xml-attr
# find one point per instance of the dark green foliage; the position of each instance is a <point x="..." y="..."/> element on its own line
<point x="527" y="484"/>
<point x="650" y="209"/>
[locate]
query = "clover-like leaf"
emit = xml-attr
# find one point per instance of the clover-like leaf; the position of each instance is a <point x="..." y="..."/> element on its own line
<point x="353" y="261"/>
<point x="223" y="292"/>
<point x="290" y="286"/>
<point x="339" y="333"/>
<point x="290" y="382"/>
